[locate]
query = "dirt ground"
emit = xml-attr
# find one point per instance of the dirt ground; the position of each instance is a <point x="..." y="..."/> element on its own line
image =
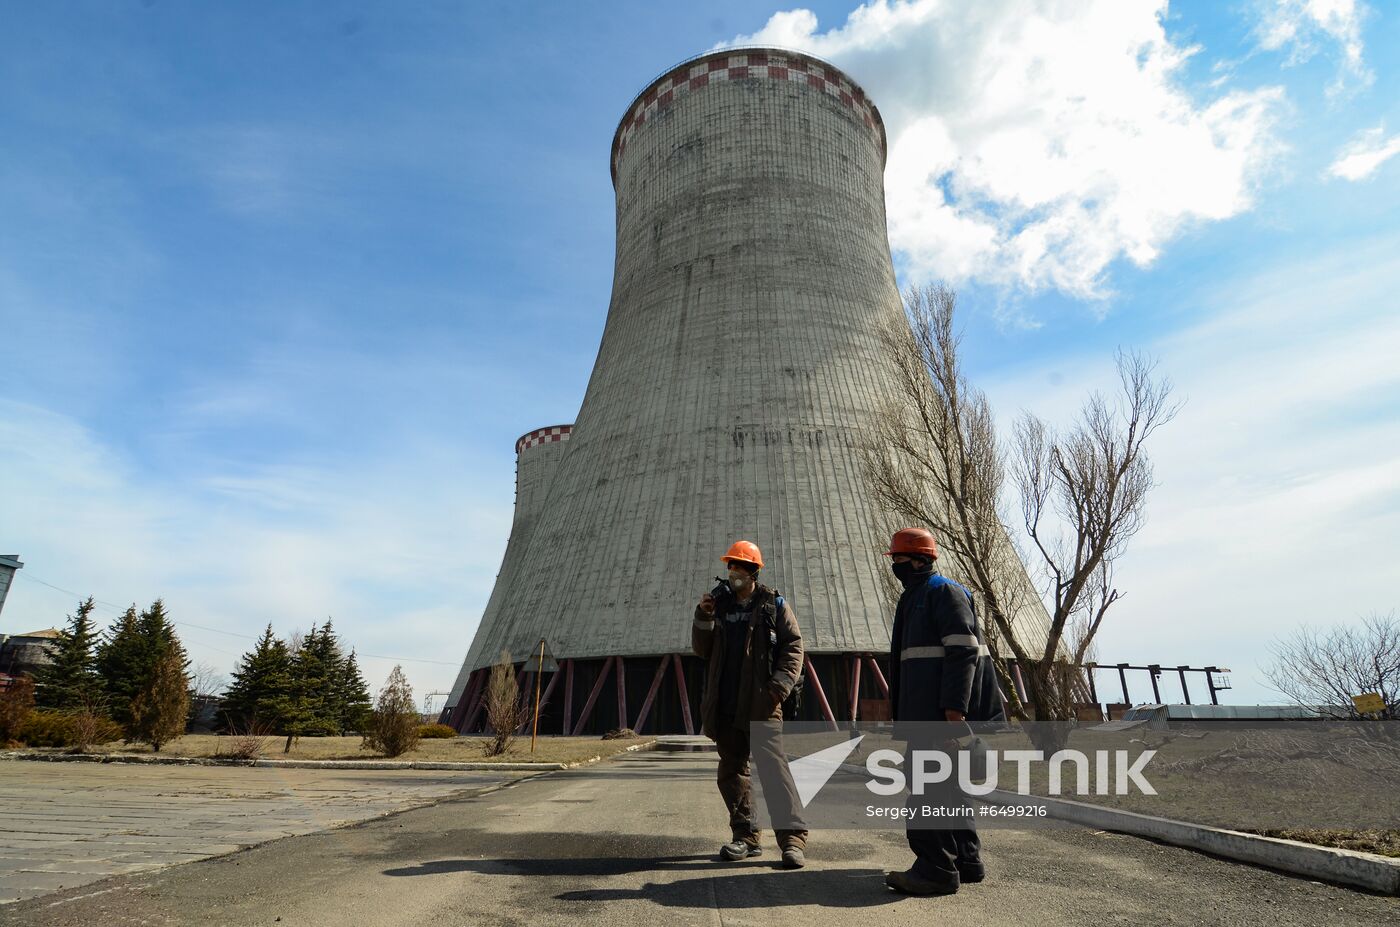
<point x="454" y="749"/>
<point x="1332" y="787"/>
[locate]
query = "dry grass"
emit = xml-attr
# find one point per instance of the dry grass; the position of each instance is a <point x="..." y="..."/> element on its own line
<point x="1380" y="842"/>
<point x="458" y="749"/>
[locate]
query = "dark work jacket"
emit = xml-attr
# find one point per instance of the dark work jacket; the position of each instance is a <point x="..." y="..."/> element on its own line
<point x="760" y="692"/>
<point x="938" y="659"/>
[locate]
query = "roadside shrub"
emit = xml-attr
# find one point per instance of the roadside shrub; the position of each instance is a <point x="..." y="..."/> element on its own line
<point x="436" y="731"/>
<point x="67" y="729"/>
<point x="394" y="729"/>
<point x="45" y="729"/>
<point x="504" y="711"/>
<point x="15" y="704"/>
<point x="619" y="733"/>
<point x="245" y="742"/>
<point x="87" y="726"/>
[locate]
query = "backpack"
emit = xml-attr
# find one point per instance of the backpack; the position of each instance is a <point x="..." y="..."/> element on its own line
<point x="792" y="704"/>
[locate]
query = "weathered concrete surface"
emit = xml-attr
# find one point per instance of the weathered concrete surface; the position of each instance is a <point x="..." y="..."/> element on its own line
<point x="69" y="824"/>
<point x="632" y="842"/>
<point x="739" y="366"/>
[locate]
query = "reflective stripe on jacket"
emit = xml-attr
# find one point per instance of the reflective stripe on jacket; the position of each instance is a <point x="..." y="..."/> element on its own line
<point x="938" y="660"/>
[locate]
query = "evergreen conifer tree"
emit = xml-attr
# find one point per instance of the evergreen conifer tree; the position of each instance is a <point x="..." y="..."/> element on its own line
<point x="121" y="666"/>
<point x="160" y="708"/>
<point x="355" y="706"/>
<point x="71" y="679"/>
<point x="305" y="714"/>
<point x="128" y="658"/>
<point x="259" y="696"/>
<point x="158" y="635"/>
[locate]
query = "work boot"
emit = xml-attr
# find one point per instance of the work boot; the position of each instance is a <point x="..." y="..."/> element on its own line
<point x="970" y="871"/>
<point x="739" y="849"/>
<point x="793" y="857"/>
<point x="911" y="883"/>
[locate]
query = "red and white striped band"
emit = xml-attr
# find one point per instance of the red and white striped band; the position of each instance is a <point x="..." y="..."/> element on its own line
<point x="724" y="65"/>
<point x="550" y="435"/>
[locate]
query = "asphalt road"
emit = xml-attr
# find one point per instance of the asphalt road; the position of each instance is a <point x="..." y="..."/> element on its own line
<point x="633" y="842"/>
<point x="64" y="825"/>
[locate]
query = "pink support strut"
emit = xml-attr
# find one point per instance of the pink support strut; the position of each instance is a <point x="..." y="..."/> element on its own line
<point x="544" y="700"/>
<point x="879" y="676"/>
<point x="855" y="687"/>
<point x="485" y="672"/>
<point x="568" y="695"/>
<point x="460" y="710"/>
<point x="593" y="697"/>
<point x="685" y="696"/>
<point x="821" y="695"/>
<point x="651" y="694"/>
<point x="621" y="694"/>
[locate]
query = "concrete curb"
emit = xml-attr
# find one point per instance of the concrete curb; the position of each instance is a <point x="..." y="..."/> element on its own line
<point x="313" y="764"/>
<point x="1344" y="867"/>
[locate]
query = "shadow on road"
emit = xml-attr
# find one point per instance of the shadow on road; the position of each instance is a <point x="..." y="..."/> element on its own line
<point x="852" y="888"/>
<point x="732" y="885"/>
<point x="586" y="866"/>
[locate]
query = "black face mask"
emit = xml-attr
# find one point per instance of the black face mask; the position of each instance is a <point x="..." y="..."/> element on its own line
<point x="911" y="571"/>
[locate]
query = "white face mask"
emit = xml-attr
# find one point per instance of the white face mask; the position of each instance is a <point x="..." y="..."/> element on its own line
<point x="739" y="580"/>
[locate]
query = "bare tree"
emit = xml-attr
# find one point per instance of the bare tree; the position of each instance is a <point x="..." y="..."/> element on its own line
<point x="934" y="460"/>
<point x="1083" y="497"/>
<point x="295" y="640"/>
<point x="205" y="681"/>
<point x="88" y="723"/>
<point x="1325" y="669"/>
<point x="504" y="711"/>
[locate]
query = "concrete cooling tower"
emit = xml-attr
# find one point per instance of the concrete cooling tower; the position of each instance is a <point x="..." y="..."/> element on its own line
<point x="537" y="453"/>
<point x="739" y="365"/>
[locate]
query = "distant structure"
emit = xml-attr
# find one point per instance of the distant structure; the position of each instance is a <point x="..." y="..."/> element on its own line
<point x="739" y="365"/>
<point x="23" y="654"/>
<point x="9" y="564"/>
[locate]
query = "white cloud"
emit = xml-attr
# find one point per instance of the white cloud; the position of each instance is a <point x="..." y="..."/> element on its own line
<point x="232" y="547"/>
<point x="1033" y="144"/>
<point x="1278" y="489"/>
<point x="1364" y="155"/>
<point x="1299" y="27"/>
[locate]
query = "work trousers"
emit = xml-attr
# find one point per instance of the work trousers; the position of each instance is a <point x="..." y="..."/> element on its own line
<point x="735" y="746"/>
<point x="942" y="832"/>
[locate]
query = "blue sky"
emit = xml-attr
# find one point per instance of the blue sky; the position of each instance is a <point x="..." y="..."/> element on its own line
<point x="280" y="284"/>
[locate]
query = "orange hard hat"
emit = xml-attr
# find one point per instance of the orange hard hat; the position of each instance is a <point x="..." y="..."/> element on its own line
<point x="913" y="542"/>
<point x="745" y="552"/>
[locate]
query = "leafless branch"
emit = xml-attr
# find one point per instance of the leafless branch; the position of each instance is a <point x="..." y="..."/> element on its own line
<point x="933" y="459"/>
<point x="1325" y="669"/>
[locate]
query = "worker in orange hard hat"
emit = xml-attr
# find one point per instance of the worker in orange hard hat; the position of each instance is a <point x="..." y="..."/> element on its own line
<point x="941" y="684"/>
<point x="747" y="633"/>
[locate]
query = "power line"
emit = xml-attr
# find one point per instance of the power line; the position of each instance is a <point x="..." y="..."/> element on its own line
<point x="189" y="624"/>
<point x="31" y="578"/>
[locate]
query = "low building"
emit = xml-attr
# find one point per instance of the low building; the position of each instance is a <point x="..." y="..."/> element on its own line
<point x="24" y="653"/>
